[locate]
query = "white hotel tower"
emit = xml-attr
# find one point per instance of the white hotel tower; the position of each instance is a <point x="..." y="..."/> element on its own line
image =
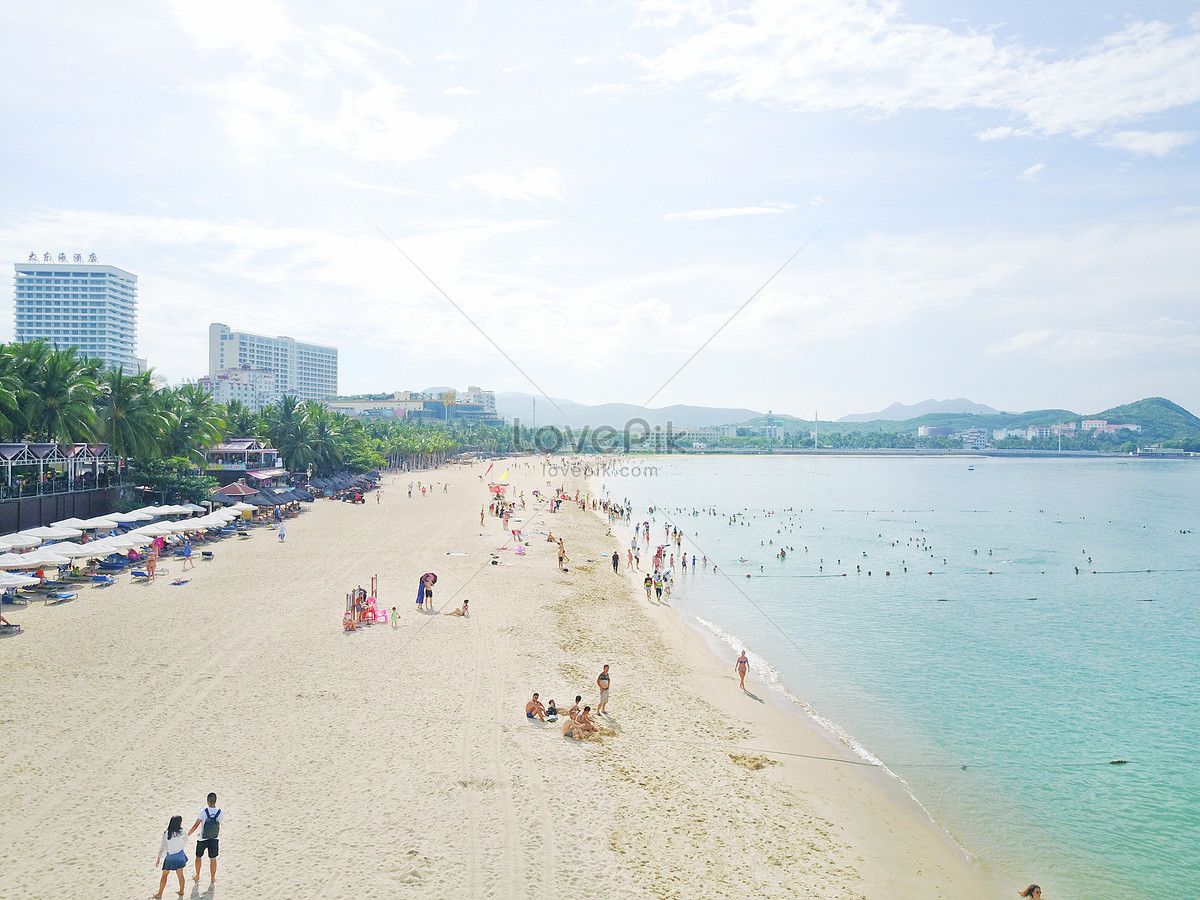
<point x="78" y="304"/>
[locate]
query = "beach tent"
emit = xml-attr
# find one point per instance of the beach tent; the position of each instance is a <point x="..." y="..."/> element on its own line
<point x="237" y="489"/>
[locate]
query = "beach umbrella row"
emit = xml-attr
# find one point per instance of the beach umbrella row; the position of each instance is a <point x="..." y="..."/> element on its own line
<point x="68" y="551"/>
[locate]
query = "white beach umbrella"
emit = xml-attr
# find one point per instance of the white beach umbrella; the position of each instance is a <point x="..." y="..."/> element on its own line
<point x="70" y="550"/>
<point x="127" y="541"/>
<point x="99" y="522"/>
<point x="43" y="556"/>
<point x="52" y="533"/>
<point x="18" y="541"/>
<point x="73" y="522"/>
<point x="129" y="517"/>
<point x="243" y="507"/>
<point x="16" y="561"/>
<point x="12" y="579"/>
<point x="152" y="511"/>
<point x="153" y="530"/>
<point x="195" y="507"/>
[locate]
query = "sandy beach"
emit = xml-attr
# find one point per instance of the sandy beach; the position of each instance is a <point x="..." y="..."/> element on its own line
<point x="397" y="761"/>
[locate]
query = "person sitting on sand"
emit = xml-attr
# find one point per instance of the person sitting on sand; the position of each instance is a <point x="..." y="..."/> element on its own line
<point x="535" y="710"/>
<point x="581" y="726"/>
<point x="573" y="712"/>
<point x="461" y="611"/>
<point x="551" y="712"/>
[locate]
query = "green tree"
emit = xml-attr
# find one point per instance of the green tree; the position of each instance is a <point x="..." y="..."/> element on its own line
<point x="129" y="417"/>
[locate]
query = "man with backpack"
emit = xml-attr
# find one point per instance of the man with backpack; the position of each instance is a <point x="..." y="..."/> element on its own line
<point x="209" y="822"/>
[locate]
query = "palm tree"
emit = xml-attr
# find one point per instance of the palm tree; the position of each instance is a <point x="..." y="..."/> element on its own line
<point x="60" y="397"/>
<point x="240" y="421"/>
<point x="129" y="417"/>
<point x="10" y="388"/>
<point x="194" y="420"/>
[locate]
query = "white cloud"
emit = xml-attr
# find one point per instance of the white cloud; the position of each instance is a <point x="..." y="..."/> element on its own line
<point x="532" y="184"/>
<point x="1033" y="172"/>
<point x="866" y="55"/>
<point x="773" y="209"/>
<point x="1151" y="143"/>
<point x="280" y="95"/>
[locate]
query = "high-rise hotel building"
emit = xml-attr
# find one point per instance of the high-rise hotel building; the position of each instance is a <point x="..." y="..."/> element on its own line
<point x="85" y="305"/>
<point x="302" y="370"/>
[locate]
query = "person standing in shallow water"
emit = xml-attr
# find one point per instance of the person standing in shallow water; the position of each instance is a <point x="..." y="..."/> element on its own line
<point x="1033" y="891"/>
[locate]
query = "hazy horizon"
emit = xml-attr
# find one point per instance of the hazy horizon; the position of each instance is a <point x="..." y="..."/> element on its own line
<point x="964" y="201"/>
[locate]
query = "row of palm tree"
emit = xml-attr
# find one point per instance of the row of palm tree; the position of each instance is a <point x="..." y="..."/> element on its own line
<point x="52" y="395"/>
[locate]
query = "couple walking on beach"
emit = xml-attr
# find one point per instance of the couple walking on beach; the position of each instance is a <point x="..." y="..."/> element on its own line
<point x="173" y="856"/>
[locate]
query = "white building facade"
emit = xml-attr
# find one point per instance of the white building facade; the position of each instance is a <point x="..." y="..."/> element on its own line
<point x="76" y="304"/>
<point x="302" y="370"/>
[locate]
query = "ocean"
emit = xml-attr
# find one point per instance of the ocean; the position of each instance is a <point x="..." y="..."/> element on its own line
<point x="996" y="632"/>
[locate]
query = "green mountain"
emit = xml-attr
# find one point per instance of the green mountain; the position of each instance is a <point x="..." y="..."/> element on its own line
<point x="1160" y="419"/>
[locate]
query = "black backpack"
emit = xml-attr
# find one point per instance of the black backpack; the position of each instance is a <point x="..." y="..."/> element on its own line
<point x="211" y="827"/>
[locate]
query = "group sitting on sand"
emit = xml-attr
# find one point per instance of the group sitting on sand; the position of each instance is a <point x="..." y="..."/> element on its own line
<point x="578" y="723"/>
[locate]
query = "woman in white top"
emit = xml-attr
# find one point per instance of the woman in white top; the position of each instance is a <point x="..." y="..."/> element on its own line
<point x="171" y="847"/>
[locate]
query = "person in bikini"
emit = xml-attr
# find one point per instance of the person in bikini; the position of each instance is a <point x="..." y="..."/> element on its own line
<point x="742" y="666"/>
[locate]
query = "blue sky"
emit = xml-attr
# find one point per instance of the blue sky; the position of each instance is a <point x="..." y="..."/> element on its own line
<point x="996" y="203"/>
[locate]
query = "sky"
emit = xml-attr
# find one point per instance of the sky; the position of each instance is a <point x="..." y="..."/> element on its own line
<point x="822" y="206"/>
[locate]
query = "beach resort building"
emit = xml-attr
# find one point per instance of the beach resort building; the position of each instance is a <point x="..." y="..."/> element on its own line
<point x="297" y="369"/>
<point x="473" y="405"/>
<point x="72" y="303"/>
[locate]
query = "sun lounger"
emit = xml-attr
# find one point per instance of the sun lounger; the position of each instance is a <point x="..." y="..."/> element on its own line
<point x="102" y="580"/>
<point x="11" y="628"/>
<point x="138" y="575"/>
<point x="60" y="596"/>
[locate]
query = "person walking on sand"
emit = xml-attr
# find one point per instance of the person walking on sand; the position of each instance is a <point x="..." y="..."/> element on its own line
<point x="742" y="666"/>
<point x="282" y="532"/>
<point x="187" y="555"/>
<point x="602" y="682"/>
<point x="209" y="822"/>
<point x="616" y="559"/>
<point x="171" y="855"/>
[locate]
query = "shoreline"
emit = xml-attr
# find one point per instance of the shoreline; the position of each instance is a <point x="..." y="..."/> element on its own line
<point x="911" y="853"/>
<point x="395" y="761"/>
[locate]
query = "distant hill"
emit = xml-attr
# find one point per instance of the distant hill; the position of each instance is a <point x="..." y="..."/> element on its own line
<point x="518" y="405"/>
<point x="900" y="412"/>
<point x="1161" y="420"/>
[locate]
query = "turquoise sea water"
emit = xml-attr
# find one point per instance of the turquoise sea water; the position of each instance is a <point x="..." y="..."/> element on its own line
<point x="1000" y="686"/>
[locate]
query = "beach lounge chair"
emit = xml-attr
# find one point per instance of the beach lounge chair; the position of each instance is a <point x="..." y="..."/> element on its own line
<point x="60" y="596"/>
<point x="139" y="576"/>
<point x="102" y="580"/>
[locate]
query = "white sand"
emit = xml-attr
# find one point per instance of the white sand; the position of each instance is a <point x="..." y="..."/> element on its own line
<point x="397" y="762"/>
